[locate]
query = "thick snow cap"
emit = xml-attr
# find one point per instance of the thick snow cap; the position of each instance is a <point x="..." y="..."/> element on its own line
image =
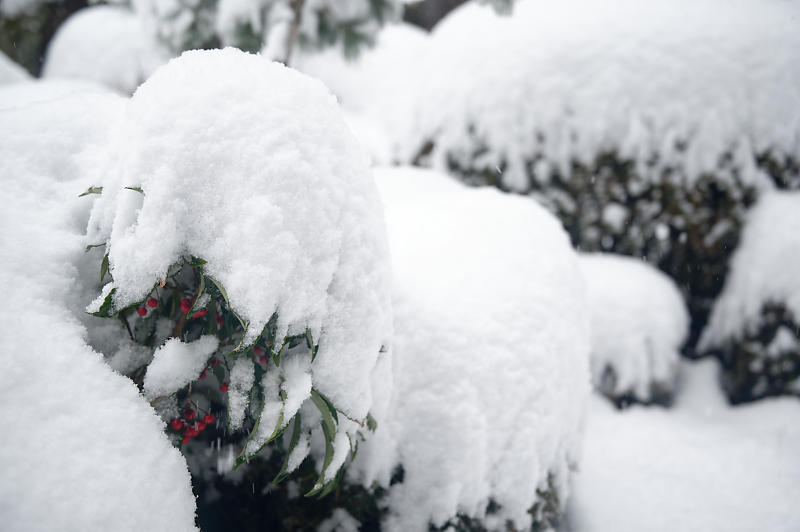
<point x="491" y="354"/>
<point x="639" y="324"/>
<point x="669" y="84"/>
<point x="248" y="164"/>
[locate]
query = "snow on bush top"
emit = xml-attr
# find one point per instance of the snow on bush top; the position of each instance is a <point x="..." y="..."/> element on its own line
<point x="248" y="165"/>
<point x="664" y="82"/>
<point x="105" y="44"/>
<point x="764" y="269"/>
<point x="10" y="72"/>
<point x="81" y="449"/>
<point x="639" y="324"/>
<point x="490" y="352"/>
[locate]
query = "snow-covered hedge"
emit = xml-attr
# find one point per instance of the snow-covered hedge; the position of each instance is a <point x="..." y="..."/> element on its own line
<point x="240" y="220"/>
<point x="639" y="324"/>
<point x="648" y="127"/>
<point x="81" y="449"/>
<point x="105" y="44"/>
<point x="490" y="359"/>
<point x="755" y="324"/>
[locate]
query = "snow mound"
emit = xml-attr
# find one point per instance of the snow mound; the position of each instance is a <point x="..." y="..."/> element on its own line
<point x="81" y="449"/>
<point x="701" y="465"/>
<point x="674" y="86"/>
<point x="248" y="165"/>
<point x="104" y="44"/>
<point x="10" y="72"/>
<point x="490" y="355"/>
<point x="639" y="323"/>
<point x="19" y="95"/>
<point x="763" y="270"/>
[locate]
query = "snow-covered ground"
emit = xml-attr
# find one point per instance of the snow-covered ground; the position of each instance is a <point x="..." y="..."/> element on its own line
<point x="701" y="465"/>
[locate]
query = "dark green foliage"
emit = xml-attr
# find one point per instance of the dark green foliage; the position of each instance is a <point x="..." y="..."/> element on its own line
<point x="750" y="370"/>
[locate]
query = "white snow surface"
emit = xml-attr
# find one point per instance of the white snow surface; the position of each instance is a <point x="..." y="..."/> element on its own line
<point x="764" y="269"/>
<point x="10" y="72"/>
<point x="175" y="364"/>
<point x="104" y="44"/>
<point x="639" y="324"/>
<point x="701" y="465"/>
<point x="81" y="448"/>
<point x="568" y="80"/>
<point x="376" y="87"/>
<point x="249" y="165"/>
<point x="490" y="354"/>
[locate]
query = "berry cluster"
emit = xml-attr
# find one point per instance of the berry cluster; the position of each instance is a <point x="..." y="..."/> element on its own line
<point x="190" y="424"/>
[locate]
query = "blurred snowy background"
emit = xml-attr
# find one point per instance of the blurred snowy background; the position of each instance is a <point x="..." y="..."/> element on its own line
<point x="577" y="194"/>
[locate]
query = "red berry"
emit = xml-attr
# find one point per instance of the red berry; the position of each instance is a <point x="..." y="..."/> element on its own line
<point x="208" y="419"/>
<point x="263" y="359"/>
<point x="190" y="432"/>
<point x="188" y="414"/>
<point x="176" y="424"/>
<point x="223" y="387"/>
<point x="214" y="362"/>
<point x="185" y="440"/>
<point x="186" y="305"/>
<point x="257" y="350"/>
<point x="201" y="426"/>
<point x="203" y="374"/>
<point x="152" y="302"/>
<point x="142" y="311"/>
<point x="200" y="313"/>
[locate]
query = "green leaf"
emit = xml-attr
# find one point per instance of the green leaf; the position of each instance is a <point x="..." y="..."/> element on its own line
<point x="136" y="189"/>
<point x="106" y="310"/>
<point x="329" y="435"/>
<point x="221" y="290"/>
<point x="316" y="396"/>
<point x="196" y="262"/>
<point x="200" y="292"/>
<point x="104" y="267"/>
<point x="219" y="373"/>
<point x="296" y="431"/>
<point x="371" y="423"/>
<point x="91" y="190"/>
<point x="91" y="246"/>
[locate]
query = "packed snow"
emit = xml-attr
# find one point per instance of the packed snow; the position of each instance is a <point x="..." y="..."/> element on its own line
<point x="490" y="355"/>
<point x="175" y="364"/>
<point x="674" y="85"/>
<point x="764" y="269"/>
<point x="639" y="324"/>
<point x="81" y="450"/>
<point x="701" y="465"/>
<point x="104" y="44"/>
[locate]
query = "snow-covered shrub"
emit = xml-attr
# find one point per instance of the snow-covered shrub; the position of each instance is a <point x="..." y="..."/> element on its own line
<point x="647" y="127"/>
<point x="246" y="258"/>
<point x="490" y="359"/>
<point x="639" y="323"/>
<point x="106" y="44"/>
<point x="273" y="26"/>
<point x="81" y="449"/>
<point x="755" y="324"/>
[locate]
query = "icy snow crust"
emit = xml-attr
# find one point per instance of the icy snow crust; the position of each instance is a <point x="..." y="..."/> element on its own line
<point x="81" y="450"/>
<point x="666" y="83"/>
<point x="105" y="44"/>
<point x="764" y="269"/>
<point x="490" y="354"/>
<point x="639" y="324"/>
<point x="249" y="165"/>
